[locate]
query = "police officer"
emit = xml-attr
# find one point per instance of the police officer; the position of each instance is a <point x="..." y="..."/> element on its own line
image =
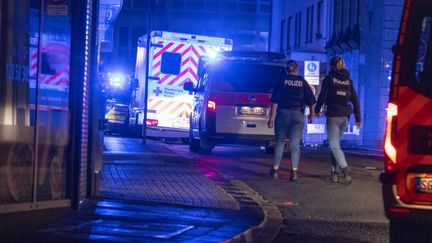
<point x="337" y="92"/>
<point x="289" y="99"/>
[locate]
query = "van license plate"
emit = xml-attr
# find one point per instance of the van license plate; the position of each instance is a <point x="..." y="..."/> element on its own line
<point x="247" y="110"/>
<point x="423" y="185"/>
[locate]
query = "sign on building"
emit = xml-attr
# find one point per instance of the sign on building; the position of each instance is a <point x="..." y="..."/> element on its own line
<point x="311" y="72"/>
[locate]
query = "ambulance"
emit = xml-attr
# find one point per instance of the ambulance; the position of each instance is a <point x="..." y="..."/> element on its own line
<point x="407" y="175"/>
<point x="232" y="100"/>
<point x="173" y="62"/>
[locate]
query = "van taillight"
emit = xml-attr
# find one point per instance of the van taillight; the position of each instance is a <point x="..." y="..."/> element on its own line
<point x="152" y="122"/>
<point x="390" y="150"/>
<point x="211" y="105"/>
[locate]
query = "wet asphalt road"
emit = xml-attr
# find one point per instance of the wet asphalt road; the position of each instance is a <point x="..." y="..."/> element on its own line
<point x="313" y="210"/>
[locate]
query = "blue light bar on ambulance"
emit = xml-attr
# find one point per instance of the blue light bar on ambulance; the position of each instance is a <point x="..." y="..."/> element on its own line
<point x="252" y="56"/>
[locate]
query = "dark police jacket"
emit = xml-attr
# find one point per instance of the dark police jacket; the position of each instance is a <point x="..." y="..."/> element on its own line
<point x="337" y="92"/>
<point x="292" y="92"/>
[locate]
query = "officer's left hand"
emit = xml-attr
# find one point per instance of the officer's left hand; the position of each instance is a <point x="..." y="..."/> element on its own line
<point x="270" y="123"/>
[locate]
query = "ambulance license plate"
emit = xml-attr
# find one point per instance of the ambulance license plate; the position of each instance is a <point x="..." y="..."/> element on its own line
<point x="248" y="110"/>
<point x="423" y="185"/>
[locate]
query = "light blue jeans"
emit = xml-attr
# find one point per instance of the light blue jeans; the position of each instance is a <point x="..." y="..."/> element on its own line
<point x="291" y="123"/>
<point x="335" y="128"/>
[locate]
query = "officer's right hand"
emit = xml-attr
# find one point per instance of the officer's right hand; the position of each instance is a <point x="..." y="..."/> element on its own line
<point x="270" y="123"/>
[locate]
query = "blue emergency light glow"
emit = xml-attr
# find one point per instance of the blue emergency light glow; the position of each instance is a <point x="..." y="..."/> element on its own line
<point x="117" y="80"/>
<point x="212" y="54"/>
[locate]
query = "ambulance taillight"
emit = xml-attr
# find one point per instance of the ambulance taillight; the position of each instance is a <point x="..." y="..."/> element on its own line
<point x="390" y="150"/>
<point x="152" y="122"/>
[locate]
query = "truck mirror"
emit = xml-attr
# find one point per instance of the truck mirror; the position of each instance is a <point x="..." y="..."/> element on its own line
<point x="188" y="86"/>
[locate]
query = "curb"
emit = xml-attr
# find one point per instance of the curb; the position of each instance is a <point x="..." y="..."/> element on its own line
<point x="272" y="222"/>
<point x="269" y="227"/>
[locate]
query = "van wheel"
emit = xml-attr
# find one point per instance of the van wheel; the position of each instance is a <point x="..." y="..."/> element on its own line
<point x="205" y="146"/>
<point x="194" y="144"/>
<point x="407" y="231"/>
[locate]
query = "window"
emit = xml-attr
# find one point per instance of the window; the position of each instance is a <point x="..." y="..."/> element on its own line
<point x="195" y="6"/>
<point x="344" y="14"/>
<point x="231" y="7"/>
<point x="424" y="58"/>
<point x="213" y="6"/>
<point x="248" y="8"/>
<point x="298" y="28"/>
<point x="124" y="36"/>
<point x="136" y="33"/>
<point x="282" y="35"/>
<point x="337" y="19"/>
<point x="233" y="76"/>
<point x="127" y="3"/>
<point x="178" y="5"/>
<point x="140" y="4"/>
<point x="353" y="13"/>
<point x="307" y="24"/>
<point x="288" y="46"/>
<point x="171" y="63"/>
<point x="311" y="23"/>
<point x="265" y="8"/>
<point x="318" y="22"/>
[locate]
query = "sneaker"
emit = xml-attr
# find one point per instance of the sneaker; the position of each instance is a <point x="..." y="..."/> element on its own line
<point x="348" y="175"/>
<point x="333" y="177"/>
<point x="274" y="173"/>
<point x="294" y="176"/>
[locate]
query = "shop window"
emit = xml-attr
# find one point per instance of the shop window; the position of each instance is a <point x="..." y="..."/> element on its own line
<point x="171" y="63"/>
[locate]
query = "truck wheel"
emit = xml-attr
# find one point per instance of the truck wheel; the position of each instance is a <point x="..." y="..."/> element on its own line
<point x="407" y="231"/>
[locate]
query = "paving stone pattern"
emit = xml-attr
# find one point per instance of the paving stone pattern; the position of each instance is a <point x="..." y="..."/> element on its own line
<point x="154" y="174"/>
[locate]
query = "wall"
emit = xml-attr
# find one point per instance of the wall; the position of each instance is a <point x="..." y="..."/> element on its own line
<point x="381" y="23"/>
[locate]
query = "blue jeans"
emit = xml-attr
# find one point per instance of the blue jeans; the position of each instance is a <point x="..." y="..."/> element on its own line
<point x="289" y="122"/>
<point x="335" y="128"/>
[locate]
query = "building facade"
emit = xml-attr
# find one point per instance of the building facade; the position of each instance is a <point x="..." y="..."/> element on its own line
<point x="363" y="33"/>
<point x="373" y="28"/>
<point x="246" y="22"/>
<point x="47" y="68"/>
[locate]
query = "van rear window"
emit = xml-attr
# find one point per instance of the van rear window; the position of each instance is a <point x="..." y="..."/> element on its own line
<point x="244" y="77"/>
<point x="424" y="58"/>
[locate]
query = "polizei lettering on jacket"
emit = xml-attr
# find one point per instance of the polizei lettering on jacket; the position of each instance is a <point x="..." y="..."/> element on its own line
<point x="295" y="83"/>
<point x="340" y="82"/>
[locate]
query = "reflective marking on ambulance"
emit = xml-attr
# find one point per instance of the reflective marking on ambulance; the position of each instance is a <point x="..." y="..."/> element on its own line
<point x="414" y="111"/>
<point x="169" y="112"/>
